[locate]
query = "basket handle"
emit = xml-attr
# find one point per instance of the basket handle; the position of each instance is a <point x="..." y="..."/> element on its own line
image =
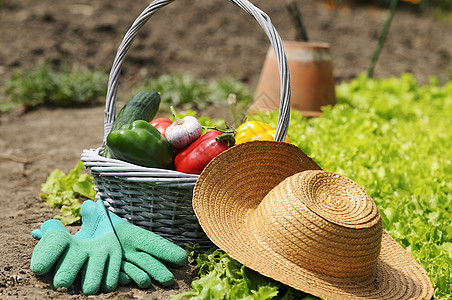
<point x="264" y="21"/>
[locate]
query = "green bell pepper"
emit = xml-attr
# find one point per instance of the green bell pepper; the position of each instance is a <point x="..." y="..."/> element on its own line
<point x="142" y="144"/>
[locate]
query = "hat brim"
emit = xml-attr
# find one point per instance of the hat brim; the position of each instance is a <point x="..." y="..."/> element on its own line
<point x="232" y="186"/>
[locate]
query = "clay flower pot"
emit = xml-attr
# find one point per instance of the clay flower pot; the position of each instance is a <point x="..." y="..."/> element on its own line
<point x="311" y="74"/>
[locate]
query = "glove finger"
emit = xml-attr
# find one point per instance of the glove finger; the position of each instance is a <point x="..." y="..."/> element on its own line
<point x="51" y="225"/>
<point x="151" y="243"/>
<point x="36" y="234"/>
<point x="92" y="272"/>
<point x="112" y="268"/>
<point x="124" y="279"/>
<point x="69" y="265"/>
<point x="48" y="250"/>
<point x="140" y="277"/>
<point x="155" y="268"/>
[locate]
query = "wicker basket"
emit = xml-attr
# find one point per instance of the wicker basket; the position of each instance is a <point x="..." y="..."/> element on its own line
<point x="157" y="199"/>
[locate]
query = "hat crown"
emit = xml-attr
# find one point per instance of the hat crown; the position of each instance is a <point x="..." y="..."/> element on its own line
<point x="321" y="221"/>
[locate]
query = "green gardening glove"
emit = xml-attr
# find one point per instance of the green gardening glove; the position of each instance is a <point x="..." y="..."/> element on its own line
<point x="94" y="251"/>
<point x="145" y="252"/>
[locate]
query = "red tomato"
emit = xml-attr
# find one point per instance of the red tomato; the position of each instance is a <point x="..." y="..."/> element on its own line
<point x="161" y="124"/>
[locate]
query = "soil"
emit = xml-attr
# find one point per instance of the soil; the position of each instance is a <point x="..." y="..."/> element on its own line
<point x="206" y="38"/>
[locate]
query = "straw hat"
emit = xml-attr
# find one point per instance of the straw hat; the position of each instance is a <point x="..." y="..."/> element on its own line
<point x="269" y="206"/>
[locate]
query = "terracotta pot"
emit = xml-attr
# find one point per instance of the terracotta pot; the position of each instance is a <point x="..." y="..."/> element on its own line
<point x="311" y="74"/>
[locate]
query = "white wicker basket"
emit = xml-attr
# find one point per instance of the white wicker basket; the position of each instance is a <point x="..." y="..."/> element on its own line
<point x="157" y="199"/>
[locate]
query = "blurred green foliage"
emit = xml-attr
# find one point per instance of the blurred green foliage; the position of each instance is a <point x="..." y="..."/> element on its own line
<point x="189" y="93"/>
<point x="42" y="86"/>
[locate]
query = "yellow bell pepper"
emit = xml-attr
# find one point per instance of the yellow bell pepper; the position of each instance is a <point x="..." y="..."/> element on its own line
<point x="255" y="130"/>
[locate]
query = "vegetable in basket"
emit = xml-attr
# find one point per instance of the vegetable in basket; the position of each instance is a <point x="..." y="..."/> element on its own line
<point x="198" y="154"/>
<point x="255" y="130"/>
<point x="182" y="132"/>
<point x="161" y="124"/>
<point x="142" y="106"/>
<point x="142" y="144"/>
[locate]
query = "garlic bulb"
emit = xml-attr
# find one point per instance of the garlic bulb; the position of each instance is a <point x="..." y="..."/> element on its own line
<point x="183" y="132"/>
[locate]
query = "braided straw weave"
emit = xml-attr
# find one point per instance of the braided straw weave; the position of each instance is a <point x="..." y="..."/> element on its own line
<point x="158" y="199"/>
<point x="316" y="231"/>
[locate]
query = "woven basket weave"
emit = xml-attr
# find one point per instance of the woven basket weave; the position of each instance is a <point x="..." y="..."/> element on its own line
<point x="158" y="199"/>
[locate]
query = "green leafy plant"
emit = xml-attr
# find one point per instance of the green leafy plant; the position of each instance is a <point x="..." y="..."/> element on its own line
<point x="182" y="91"/>
<point x="64" y="191"/>
<point x="188" y="93"/>
<point x="43" y="86"/>
<point x="221" y="277"/>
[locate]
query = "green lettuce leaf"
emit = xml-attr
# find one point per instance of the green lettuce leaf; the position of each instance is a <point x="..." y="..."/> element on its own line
<point x="66" y="191"/>
<point x="222" y="277"/>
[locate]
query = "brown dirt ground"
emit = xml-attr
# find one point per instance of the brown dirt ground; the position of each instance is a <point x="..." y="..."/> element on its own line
<point x="209" y="39"/>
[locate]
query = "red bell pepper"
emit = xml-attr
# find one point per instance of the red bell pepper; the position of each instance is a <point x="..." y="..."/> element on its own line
<point x="161" y="124"/>
<point x="195" y="157"/>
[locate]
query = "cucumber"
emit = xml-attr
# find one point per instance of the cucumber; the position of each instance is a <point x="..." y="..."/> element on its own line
<point x="142" y="106"/>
